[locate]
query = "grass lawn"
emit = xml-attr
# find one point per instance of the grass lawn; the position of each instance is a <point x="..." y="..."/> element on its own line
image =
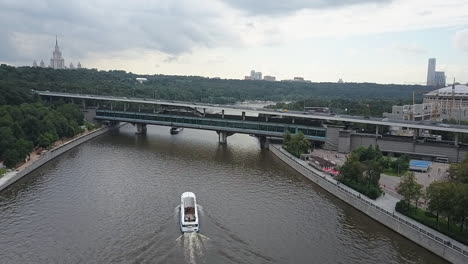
<point x="2" y="171"/>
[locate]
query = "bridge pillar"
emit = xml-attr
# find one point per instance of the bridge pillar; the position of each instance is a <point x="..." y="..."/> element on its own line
<point x="111" y="106"/>
<point x="141" y="129"/>
<point x="415" y="133"/>
<point x="456" y="140"/>
<point x="222" y="137"/>
<point x="125" y="107"/>
<point x="83" y="104"/>
<point x="139" y="107"/>
<point x="204" y="112"/>
<point x="222" y="113"/>
<point x="376" y="131"/>
<point x="266" y="118"/>
<point x="243" y="115"/>
<point x="293" y="120"/>
<point x="264" y="142"/>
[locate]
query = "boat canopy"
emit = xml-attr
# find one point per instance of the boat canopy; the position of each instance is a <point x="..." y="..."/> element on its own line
<point x="189" y="202"/>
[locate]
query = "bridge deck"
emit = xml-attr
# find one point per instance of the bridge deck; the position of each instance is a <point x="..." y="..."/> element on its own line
<point x="237" y="126"/>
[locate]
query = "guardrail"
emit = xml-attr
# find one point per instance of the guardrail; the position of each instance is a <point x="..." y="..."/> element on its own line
<point x="426" y="232"/>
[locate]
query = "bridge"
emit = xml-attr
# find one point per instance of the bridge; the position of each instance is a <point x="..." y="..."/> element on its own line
<point x="334" y="132"/>
<point x="224" y="125"/>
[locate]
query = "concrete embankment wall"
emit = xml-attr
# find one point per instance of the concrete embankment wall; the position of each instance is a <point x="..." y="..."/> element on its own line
<point x="425" y="237"/>
<point x="12" y="177"/>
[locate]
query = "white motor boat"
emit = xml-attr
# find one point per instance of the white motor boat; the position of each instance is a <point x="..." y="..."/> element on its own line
<point x="188" y="213"/>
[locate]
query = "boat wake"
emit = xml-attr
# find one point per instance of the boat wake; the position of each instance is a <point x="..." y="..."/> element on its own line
<point x="193" y="246"/>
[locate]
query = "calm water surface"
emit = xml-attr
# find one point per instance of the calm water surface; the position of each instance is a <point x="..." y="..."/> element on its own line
<point x="114" y="200"/>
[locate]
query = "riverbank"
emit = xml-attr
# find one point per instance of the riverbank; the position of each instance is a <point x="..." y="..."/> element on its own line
<point x="381" y="210"/>
<point x="39" y="160"/>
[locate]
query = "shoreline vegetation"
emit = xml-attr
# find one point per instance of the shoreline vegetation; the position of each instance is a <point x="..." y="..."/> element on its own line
<point x="27" y="124"/>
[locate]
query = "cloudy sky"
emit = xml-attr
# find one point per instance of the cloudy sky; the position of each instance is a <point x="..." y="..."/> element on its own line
<point x="384" y="41"/>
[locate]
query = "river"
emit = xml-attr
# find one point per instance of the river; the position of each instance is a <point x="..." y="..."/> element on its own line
<point x="114" y="200"/>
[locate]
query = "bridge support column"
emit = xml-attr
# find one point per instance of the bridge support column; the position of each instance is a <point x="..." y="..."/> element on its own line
<point x="243" y="115"/>
<point x="141" y="129"/>
<point x="83" y="104"/>
<point x="376" y="131"/>
<point x="222" y="137"/>
<point x="456" y="140"/>
<point x="204" y="112"/>
<point x="125" y="107"/>
<point x="222" y="113"/>
<point x="264" y="142"/>
<point x="415" y="133"/>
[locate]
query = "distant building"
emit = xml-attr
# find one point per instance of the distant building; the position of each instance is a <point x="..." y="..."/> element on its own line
<point x="269" y="78"/>
<point x="416" y="112"/>
<point x="254" y="75"/>
<point x="340" y="80"/>
<point x="450" y="102"/>
<point x="431" y="66"/>
<point x="57" y="62"/>
<point x="298" y="79"/>
<point x="439" y="79"/>
<point x="434" y="78"/>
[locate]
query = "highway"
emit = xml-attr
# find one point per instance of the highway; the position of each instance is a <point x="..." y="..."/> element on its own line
<point x="293" y="114"/>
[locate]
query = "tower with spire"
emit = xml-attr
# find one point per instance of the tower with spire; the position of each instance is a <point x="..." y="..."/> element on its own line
<point x="57" y="62"/>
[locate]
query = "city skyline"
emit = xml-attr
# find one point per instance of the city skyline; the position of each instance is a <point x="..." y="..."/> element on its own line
<point x="389" y="43"/>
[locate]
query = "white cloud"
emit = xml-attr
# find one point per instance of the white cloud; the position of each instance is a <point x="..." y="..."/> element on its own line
<point x="461" y="40"/>
<point x="225" y="38"/>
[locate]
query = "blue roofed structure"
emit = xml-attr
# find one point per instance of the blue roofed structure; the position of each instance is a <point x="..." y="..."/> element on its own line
<point x="419" y="165"/>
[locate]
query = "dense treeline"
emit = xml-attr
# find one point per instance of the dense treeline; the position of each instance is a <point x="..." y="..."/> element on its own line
<point x="193" y="88"/>
<point x="446" y="202"/>
<point x="26" y="123"/>
<point x="362" y="107"/>
<point x="29" y="125"/>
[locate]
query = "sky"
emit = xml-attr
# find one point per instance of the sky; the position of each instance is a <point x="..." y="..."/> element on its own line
<point x="383" y="41"/>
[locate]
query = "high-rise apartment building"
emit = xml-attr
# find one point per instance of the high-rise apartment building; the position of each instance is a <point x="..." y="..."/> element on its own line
<point x="439" y="79"/>
<point x="431" y="72"/>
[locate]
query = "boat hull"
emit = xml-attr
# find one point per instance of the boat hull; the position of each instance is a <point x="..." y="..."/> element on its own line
<point x="189" y="221"/>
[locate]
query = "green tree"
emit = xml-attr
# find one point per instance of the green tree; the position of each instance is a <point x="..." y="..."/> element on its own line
<point x="297" y="145"/>
<point x="459" y="172"/>
<point x="409" y="188"/>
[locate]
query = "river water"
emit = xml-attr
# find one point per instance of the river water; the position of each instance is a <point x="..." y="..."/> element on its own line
<point x="114" y="200"/>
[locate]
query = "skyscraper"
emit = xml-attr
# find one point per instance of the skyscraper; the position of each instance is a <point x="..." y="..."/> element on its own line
<point x="431" y="72"/>
<point x="57" y="62"/>
<point x="439" y="79"/>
